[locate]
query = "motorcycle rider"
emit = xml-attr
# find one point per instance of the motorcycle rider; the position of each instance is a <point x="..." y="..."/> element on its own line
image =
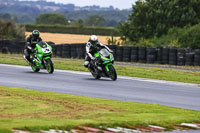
<point x="92" y="47"/>
<point x="31" y="42"/>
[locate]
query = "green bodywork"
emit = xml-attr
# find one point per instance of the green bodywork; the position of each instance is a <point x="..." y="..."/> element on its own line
<point x="107" y="61"/>
<point x="42" y="52"/>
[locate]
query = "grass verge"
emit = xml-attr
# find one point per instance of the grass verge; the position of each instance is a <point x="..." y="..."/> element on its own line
<point x="132" y="71"/>
<point x="36" y="110"/>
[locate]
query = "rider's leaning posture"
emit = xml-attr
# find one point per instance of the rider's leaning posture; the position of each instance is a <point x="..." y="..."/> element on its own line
<point x="92" y="47"/>
<point x="31" y="42"/>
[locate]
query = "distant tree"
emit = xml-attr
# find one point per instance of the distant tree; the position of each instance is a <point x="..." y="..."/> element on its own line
<point x="51" y="18"/>
<point x="79" y="23"/>
<point x="95" y="20"/>
<point x="110" y="23"/>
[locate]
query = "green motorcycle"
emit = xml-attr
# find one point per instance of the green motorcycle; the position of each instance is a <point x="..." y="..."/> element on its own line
<point x="102" y="65"/>
<point x="42" y="57"/>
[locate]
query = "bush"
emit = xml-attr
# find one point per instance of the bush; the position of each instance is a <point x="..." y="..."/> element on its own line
<point x="51" y="18"/>
<point x="10" y="30"/>
<point x="191" y="37"/>
<point x="145" y="43"/>
<point x="73" y="29"/>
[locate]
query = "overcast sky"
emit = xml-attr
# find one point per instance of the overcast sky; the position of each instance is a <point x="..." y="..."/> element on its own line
<point x="121" y="4"/>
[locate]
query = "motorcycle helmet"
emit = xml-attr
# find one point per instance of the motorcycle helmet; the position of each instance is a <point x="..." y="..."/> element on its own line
<point x="93" y="40"/>
<point x="36" y="34"/>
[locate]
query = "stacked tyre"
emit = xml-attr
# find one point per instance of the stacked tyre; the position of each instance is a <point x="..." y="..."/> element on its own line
<point x="80" y="51"/>
<point x="66" y="51"/>
<point x="119" y="53"/>
<point x="134" y="54"/>
<point x="142" y="54"/>
<point x="165" y="55"/>
<point x="9" y="45"/>
<point x="189" y="59"/>
<point x="151" y="55"/>
<point x="173" y="56"/>
<point x="59" y="50"/>
<point x="126" y="54"/>
<point x="73" y="51"/>
<point x="181" y="57"/>
<point x="113" y="48"/>
<point x="159" y="55"/>
<point x="197" y="57"/>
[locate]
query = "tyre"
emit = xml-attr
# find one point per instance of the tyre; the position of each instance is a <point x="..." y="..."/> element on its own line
<point x="49" y="66"/>
<point x="59" y="50"/>
<point x="96" y="76"/>
<point x="35" y="69"/>
<point x="113" y="74"/>
<point x="66" y="51"/>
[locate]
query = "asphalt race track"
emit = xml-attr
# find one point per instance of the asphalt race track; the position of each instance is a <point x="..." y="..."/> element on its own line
<point x="124" y="89"/>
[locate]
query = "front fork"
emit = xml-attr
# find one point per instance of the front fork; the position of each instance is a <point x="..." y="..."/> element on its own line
<point x="45" y="62"/>
<point x="107" y="68"/>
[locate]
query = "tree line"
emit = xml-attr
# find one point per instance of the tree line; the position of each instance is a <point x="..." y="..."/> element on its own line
<point x="158" y="20"/>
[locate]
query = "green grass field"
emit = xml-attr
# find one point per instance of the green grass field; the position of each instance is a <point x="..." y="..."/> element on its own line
<point x="142" y="72"/>
<point x="36" y="110"/>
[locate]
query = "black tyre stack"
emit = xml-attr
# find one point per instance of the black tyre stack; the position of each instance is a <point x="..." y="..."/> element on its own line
<point x="173" y="56"/>
<point x="119" y="53"/>
<point x="126" y="54"/>
<point x="158" y="55"/>
<point x="73" y="51"/>
<point x="3" y="48"/>
<point x="113" y="48"/>
<point x="59" y="50"/>
<point x="134" y="54"/>
<point x="142" y="54"/>
<point x="1" y="43"/>
<point x="66" y="51"/>
<point x="165" y="55"/>
<point x="197" y="57"/>
<point x="151" y="55"/>
<point x="189" y="59"/>
<point x="9" y="45"/>
<point x="181" y="57"/>
<point x="80" y="50"/>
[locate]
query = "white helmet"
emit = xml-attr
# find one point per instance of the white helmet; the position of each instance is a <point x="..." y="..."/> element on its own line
<point x="93" y="39"/>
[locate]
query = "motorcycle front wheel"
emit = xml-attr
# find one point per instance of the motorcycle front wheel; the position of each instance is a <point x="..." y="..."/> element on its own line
<point x="96" y="76"/>
<point x="113" y="74"/>
<point x="35" y="69"/>
<point x="49" y="66"/>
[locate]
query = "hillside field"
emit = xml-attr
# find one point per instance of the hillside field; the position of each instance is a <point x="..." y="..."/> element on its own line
<point x="58" y="38"/>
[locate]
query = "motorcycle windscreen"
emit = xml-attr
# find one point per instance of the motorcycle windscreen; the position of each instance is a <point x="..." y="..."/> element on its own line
<point x="42" y="44"/>
<point x="104" y="52"/>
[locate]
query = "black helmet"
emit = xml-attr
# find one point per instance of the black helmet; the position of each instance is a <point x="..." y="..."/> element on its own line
<point x="93" y="40"/>
<point x="36" y="34"/>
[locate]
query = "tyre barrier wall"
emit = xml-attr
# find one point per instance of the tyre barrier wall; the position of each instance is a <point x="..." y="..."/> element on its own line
<point x="159" y="55"/>
<point x="10" y="46"/>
